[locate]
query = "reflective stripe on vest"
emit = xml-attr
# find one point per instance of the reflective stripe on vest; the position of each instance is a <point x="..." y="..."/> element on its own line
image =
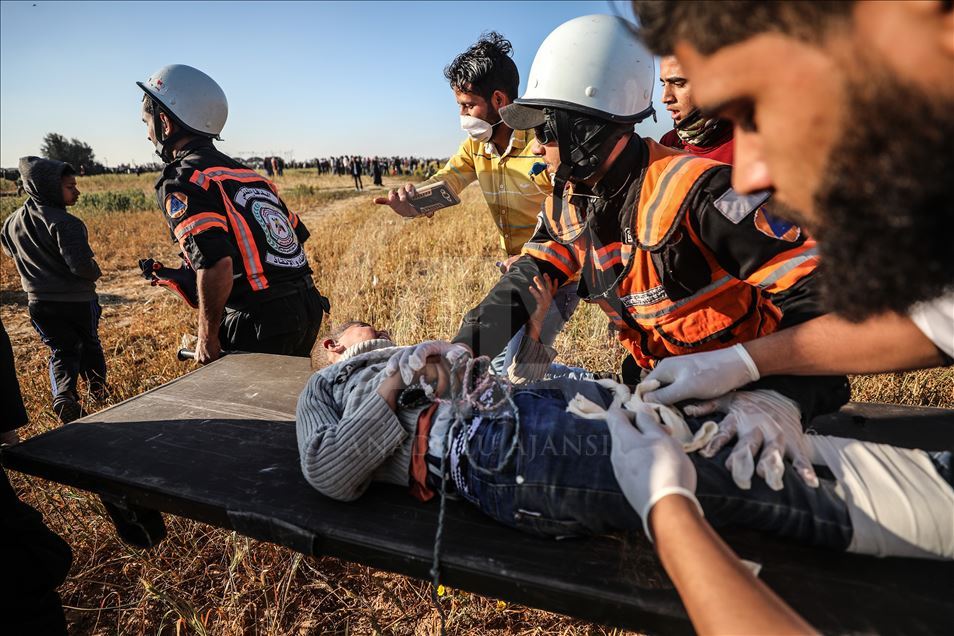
<point x="254" y="271"/>
<point x="198" y="223"/>
<point x="202" y="178"/>
<point x="669" y="178"/>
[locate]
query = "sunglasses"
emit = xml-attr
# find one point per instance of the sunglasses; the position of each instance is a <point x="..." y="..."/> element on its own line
<point x="544" y="133"/>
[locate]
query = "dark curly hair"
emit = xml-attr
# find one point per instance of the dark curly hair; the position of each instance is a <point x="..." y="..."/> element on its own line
<point x="709" y="26"/>
<point x="485" y="67"/>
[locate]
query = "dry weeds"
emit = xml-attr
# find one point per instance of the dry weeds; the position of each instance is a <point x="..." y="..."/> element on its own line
<point x="417" y="277"/>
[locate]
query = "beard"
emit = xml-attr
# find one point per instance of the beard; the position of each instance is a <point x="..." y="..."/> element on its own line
<point x="886" y="200"/>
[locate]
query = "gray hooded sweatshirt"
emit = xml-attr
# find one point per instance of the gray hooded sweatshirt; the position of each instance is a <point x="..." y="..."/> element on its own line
<point x="49" y="245"/>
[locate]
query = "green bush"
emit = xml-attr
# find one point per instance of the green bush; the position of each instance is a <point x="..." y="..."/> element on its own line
<point x="114" y="201"/>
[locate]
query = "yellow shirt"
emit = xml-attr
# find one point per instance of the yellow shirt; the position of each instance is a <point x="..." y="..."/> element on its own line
<point x="514" y="198"/>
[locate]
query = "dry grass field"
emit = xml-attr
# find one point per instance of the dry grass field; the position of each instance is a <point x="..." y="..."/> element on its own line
<point x="417" y="277"/>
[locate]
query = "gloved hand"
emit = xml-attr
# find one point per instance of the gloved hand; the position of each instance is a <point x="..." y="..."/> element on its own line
<point x="759" y="417"/>
<point x="648" y="463"/>
<point x="181" y="280"/>
<point x="412" y="359"/>
<point x="701" y="375"/>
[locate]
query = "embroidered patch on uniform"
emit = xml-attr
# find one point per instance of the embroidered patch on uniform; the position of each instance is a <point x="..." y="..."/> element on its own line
<point x="776" y="228"/>
<point x="645" y="298"/>
<point x="245" y="193"/>
<point x="735" y="206"/>
<point x="278" y="231"/>
<point x="176" y="204"/>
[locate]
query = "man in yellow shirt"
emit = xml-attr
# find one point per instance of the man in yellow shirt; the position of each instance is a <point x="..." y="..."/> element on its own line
<point x="484" y="79"/>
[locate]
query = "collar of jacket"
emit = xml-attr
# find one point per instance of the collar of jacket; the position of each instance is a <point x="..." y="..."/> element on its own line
<point x="366" y="346"/>
<point x="518" y="141"/>
<point x="195" y="144"/>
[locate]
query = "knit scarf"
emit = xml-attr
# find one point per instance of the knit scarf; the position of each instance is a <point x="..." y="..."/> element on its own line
<point x="697" y="130"/>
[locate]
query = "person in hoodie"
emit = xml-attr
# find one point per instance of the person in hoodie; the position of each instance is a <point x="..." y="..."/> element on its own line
<point x="58" y="272"/>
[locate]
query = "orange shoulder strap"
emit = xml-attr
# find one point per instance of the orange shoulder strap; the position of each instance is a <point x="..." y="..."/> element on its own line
<point x="568" y="226"/>
<point x="670" y="176"/>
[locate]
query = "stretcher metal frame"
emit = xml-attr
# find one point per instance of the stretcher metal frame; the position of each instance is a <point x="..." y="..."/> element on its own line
<point x="218" y="446"/>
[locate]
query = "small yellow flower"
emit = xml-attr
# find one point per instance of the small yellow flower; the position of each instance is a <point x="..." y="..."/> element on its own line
<point x="501" y="606"/>
<point x="441" y="590"/>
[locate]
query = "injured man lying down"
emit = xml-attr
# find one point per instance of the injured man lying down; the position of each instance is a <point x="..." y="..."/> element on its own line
<point x="537" y="456"/>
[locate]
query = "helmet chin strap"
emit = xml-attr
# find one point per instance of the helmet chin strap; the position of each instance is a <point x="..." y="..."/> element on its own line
<point x="565" y="170"/>
<point x="164" y="145"/>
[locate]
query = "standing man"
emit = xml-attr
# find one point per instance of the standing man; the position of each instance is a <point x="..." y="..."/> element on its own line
<point x="356" y="173"/>
<point x="816" y="91"/>
<point x="485" y="79"/>
<point x="255" y="287"/>
<point x="676" y="259"/>
<point x="708" y="137"/>
<point x="58" y="272"/>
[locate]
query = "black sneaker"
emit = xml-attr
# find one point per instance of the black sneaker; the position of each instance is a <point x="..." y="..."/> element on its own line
<point x="67" y="409"/>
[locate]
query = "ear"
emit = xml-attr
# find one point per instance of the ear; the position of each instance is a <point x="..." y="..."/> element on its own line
<point x="329" y="344"/>
<point x="166" y="124"/>
<point x="499" y="99"/>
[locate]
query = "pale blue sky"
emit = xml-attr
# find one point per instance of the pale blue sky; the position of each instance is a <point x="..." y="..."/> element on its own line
<point x="312" y="79"/>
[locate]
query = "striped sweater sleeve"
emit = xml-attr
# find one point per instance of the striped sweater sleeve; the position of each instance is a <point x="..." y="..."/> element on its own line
<point x="341" y="448"/>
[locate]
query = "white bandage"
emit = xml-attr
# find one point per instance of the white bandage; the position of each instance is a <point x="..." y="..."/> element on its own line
<point x="898" y="503"/>
<point x="670" y="417"/>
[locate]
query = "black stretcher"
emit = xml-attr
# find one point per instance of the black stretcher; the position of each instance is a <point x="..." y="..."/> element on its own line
<point x="218" y="445"/>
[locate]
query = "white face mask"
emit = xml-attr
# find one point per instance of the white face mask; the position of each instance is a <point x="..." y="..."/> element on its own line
<point x="477" y="128"/>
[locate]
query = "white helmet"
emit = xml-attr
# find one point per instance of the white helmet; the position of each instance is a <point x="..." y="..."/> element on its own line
<point x="594" y="65"/>
<point x="190" y="96"/>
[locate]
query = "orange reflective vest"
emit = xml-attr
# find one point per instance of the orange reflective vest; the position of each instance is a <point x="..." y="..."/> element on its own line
<point x="624" y="277"/>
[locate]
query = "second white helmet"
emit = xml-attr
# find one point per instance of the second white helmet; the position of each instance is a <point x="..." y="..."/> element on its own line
<point x="593" y="64"/>
<point x="190" y="96"/>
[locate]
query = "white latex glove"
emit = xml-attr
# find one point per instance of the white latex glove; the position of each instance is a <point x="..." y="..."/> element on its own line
<point x="761" y="419"/>
<point x="648" y="463"/>
<point x="411" y="360"/>
<point x="701" y="375"/>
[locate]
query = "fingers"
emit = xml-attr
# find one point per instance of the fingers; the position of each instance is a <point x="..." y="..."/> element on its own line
<point x="648" y="424"/>
<point x="456" y="353"/>
<point x="536" y="290"/>
<point x="740" y="464"/>
<point x="702" y="408"/>
<point x="551" y="284"/>
<point x="804" y="469"/>
<point x="741" y="461"/>
<point x="771" y="467"/>
<point x="620" y="425"/>
<point x="419" y="354"/>
<point x="666" y="395"/>
<point x="382" y="200"/>
<point x="394" y="363"/>
<point x="407" y="374"/>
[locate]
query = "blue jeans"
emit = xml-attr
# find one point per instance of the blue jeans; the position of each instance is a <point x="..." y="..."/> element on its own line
<point x="560" y="482"/>
<point x="564" y="304"/>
